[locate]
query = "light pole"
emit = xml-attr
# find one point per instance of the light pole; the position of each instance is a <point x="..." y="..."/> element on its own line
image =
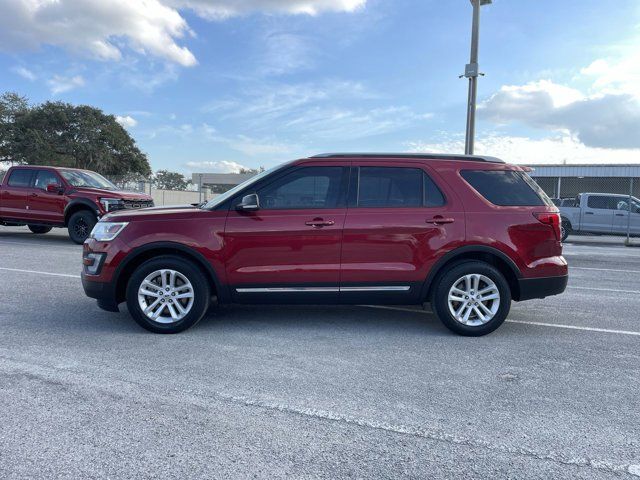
<point x="471" y="72"/>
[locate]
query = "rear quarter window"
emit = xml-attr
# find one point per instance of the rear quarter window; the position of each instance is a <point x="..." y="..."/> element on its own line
<point x="508" y="188"/>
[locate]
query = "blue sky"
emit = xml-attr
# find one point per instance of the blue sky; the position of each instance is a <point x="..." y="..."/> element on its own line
<point x="210" y="85"/>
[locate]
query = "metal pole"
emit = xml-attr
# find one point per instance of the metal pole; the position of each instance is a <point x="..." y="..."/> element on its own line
<point x="200" y="189"/>
<point x="559" y="187"/>
<point x="629" y="213"/>
<point x="471" y="72"/>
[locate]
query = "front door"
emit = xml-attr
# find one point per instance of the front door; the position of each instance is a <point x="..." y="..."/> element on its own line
<point x="289" y="249"/>
<point x="624" y="221"/>
<point x="398" y="223"/>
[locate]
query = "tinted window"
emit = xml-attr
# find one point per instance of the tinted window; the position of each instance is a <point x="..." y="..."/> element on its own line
<point x="310" y="187"/>
<point x="603" y="202"/>
<point x="20" y="178"/>
<point x="390" y="187"/>
<point x="44" y="178"/>
<point x="432" y="194"/>
<point x="506" y="187"/>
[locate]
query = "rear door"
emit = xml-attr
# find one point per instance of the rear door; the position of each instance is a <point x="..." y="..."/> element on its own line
<point x="400" y="217"/>
<point x="44" y="206"/>
<point x="289" y="249"/>
<point x="598" y="214"/>
<point x="15" y="194"/>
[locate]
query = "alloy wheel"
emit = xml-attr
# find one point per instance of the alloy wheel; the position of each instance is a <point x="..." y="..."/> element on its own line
<point x="166" y="296"/>
<point x="474" y="300"/>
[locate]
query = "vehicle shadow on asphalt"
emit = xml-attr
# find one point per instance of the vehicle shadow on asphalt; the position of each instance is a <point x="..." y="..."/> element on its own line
<point x="282" y="319"/>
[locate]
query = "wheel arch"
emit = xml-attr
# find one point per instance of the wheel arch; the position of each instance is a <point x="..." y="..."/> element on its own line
<point x="141" y="254"/>
<point x="77" y="205"/>
<point x="483" y="253"/>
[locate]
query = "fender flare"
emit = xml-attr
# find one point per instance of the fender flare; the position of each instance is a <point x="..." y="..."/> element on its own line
<point x="84" y="203"/>
<point x="458" y="252"/>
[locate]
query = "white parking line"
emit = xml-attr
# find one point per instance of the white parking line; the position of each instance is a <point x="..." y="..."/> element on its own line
<point x="43" y="244"/>
<point x="523" y="322"/>
<point x="615" y="290"/>
<point x="604" y="269"/>
<point x="39" y="273"/>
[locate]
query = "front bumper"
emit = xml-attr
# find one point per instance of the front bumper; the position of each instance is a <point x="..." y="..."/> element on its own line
<point x="103" y="292"/>
<point x="530" y="288"/>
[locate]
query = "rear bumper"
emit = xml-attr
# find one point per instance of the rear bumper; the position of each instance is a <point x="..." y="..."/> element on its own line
<point x="103" y="292"/>
<point x="530" y="288"/>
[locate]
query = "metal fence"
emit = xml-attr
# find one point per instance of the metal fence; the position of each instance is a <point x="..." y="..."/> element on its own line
<point x="618" y="204"/>
<point x="162" y="197"/>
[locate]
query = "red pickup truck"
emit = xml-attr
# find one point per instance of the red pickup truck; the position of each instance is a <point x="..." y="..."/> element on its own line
<point x="46" y="197"/>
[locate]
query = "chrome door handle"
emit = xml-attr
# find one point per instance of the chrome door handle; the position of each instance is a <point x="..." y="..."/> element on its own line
<point x="588" y="213"/>
<point x="319" y="222"/>
<point x="34" y="194"/>
<point x="619" y="214"/>
<point x="439" y="220"/>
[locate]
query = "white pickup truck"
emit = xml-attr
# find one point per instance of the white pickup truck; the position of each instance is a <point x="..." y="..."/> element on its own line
<point x="600" y="213"/>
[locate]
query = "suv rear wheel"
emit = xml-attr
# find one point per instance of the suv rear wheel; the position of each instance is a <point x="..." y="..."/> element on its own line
<point x="80" y="225"/>
<point x="39" y="229"/>
<point x="168" y="294"/>
<point x="472" y="298"/>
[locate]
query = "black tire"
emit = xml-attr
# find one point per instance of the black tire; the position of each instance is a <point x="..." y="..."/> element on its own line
<point x="440" y="297"/>
<point x="565" y="230"/>
<point x="80" y="225"/>
<point x="195" y="276"/>
<point x="39" y="229"/>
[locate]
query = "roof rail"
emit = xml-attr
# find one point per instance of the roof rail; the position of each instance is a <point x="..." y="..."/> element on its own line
<point x="426" y="156"/>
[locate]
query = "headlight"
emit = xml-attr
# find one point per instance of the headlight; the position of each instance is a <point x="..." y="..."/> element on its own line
<point x="111" y="204"/>
<point x="107" y="231"/>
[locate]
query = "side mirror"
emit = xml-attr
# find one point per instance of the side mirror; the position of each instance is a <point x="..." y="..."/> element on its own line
<point x="249" y="203"/>
<point x="53" y="188"/>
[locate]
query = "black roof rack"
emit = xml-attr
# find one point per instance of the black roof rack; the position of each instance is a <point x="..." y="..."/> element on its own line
<point x="425" y="156"/>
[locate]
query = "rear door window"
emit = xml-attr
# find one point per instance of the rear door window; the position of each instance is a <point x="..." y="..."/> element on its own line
<point x="20" y="178"/>
<point x="507" y="188"/>
<point x="389" y="187"/>
<point x="603" y="202"/>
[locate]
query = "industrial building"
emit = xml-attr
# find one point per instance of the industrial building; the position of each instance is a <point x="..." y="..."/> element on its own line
<point x="559" y="181"/>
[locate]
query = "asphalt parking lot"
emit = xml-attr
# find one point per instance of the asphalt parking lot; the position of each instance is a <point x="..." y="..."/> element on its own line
<point x="317" y="392"/>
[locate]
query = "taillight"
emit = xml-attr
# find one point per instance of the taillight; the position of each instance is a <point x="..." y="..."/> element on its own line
<point x="552" y="219"/>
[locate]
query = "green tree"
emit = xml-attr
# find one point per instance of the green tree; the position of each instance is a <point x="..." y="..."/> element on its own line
<point x="166" y="180"/>
<point x="61" y="134"/>
<point x="254" y="171"/>
<point x="12" y="106"/>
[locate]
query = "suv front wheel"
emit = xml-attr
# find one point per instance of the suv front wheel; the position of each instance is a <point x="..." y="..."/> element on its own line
<point x="473" y="298"/>
<point x="168" y="294"/>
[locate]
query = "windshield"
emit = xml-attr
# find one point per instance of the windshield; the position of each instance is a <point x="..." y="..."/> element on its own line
<point x="214" y="202"/>
<point x="79" y="178"/>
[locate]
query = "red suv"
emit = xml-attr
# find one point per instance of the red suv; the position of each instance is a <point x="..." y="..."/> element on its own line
<point x="47" y="197"/>
<point x="467" y="233"/>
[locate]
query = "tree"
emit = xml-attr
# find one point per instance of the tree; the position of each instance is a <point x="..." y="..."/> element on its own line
<point x="61" y="134"/>
<point x="166" y="180"/>
<point x="12" y="106"/>
<point x="253" y="171"/>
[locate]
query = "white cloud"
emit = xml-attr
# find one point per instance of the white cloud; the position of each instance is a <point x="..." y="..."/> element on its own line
<point x="608" y="120"/>
<point x="25" y="73"/>
<point x="316" y="111"/>
<point x="60" y="84"/>
<point x="126" y="121"/>
<point x="104" y="29"/>
<point x="220" y="9"/>
<point x="221" y="166"/>
<point x="560" y="148"/>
